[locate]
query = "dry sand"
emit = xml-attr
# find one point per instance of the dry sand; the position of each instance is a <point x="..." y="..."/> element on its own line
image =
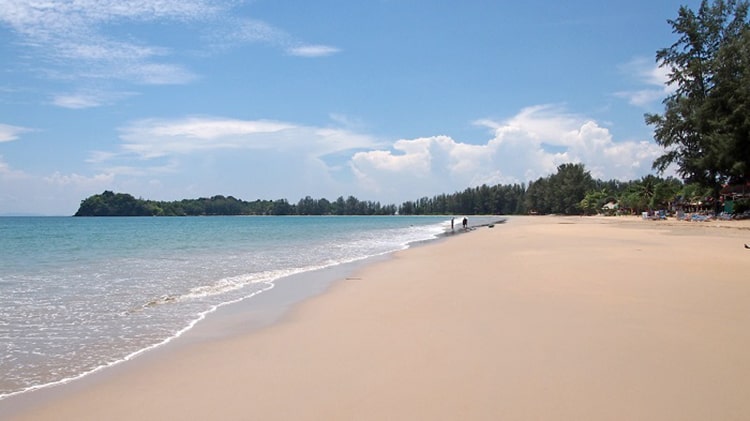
<point x="542" y="318"/>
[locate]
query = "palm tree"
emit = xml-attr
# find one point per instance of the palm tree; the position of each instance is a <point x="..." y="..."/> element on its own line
<point x="646" y="191"/>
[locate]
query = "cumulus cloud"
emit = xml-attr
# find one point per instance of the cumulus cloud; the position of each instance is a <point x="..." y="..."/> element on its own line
<point x="23" y="192"/>
<point x="524" y="147"/>
<point x="551" y="136"/>
<point x="8" y="132"/>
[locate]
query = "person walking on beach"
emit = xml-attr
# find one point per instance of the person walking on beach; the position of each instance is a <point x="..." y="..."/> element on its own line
<point x="465" y="223"/>
<point x="452" y="220"/>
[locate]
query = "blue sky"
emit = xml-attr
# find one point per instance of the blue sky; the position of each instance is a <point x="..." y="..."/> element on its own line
<point x="386" y="100"/>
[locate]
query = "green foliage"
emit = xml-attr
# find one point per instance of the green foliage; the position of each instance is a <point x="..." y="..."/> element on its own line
<point x="694" y="192"/>
<point x="119" y="204"/>
<point x="593" y="201"/>
<point x="705" y="127"/>
<point x="114" y="204"/>
<point x="482" y="200"/>
<point x="741" y="206"/>
<point x="561" y="192"/>
<point x="569" y="191"/>
<point x="665" y="192"/>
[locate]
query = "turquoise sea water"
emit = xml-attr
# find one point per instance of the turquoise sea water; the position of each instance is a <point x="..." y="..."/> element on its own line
<point x="80" y="294"/>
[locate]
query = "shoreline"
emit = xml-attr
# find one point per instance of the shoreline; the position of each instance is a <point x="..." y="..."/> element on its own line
<point x="417" y="295"/>
<point x="244" y="316"/>
<point x="259" y="310"/>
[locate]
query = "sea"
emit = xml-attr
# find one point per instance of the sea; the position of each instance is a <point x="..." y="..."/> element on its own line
<point x="78" y="295"/>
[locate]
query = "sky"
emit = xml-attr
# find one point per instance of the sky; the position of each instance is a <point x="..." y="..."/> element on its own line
<point x="384" y="100"/>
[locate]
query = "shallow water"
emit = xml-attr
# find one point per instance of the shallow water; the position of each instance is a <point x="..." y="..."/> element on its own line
<point x="79" y="294"/>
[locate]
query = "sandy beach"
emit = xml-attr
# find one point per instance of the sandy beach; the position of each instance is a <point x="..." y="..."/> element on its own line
<point x="540" y="318"/>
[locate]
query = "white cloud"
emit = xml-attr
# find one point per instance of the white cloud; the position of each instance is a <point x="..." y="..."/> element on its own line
<point x="255" y="31"/>
<point x="76" y="101"/>
<point x="156" y="138"/>
<point x="643" y="97"/>
<point x="97" y="48"/>
<point x="9" y="133"/>
<point x="550" y="136"/>
<point x="423" y="164"/>
<point x="259" y="157"/>
<point x="56" y="194"/>
<point x="344" y="120"/>
<point x="657" y="75"/>
<point x="208" y="128"/>
<point x="79" y="181"/>
<point x="75" y="40"/>
<point x="8" y="173"/>
<point x="49" y="19"/>
<point x="650" y="74"/>
<point x="96" y="157"/>
<point x="73" y="35"/>
<point x="252" y="30"/>
<point x="313" y="51"/>
<point x="159" y="73"/>
<point x="88" y="99"/>
<point x="524" y="147"/>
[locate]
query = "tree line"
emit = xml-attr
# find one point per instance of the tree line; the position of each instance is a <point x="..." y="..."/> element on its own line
<point x="569" y="191"/>
<point x="109" y="203"/>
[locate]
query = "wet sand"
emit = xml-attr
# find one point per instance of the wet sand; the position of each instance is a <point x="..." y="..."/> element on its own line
<point x="546" y="318"/>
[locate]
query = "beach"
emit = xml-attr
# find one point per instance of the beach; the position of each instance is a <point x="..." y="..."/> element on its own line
<point x="540" y="318"/>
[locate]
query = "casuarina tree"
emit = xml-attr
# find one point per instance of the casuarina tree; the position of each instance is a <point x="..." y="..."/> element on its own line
<point x="705" y="126"/>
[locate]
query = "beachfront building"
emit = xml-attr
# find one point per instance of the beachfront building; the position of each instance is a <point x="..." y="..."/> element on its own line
<point x="731" y="194"/>
<point x="610" y="208"/>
